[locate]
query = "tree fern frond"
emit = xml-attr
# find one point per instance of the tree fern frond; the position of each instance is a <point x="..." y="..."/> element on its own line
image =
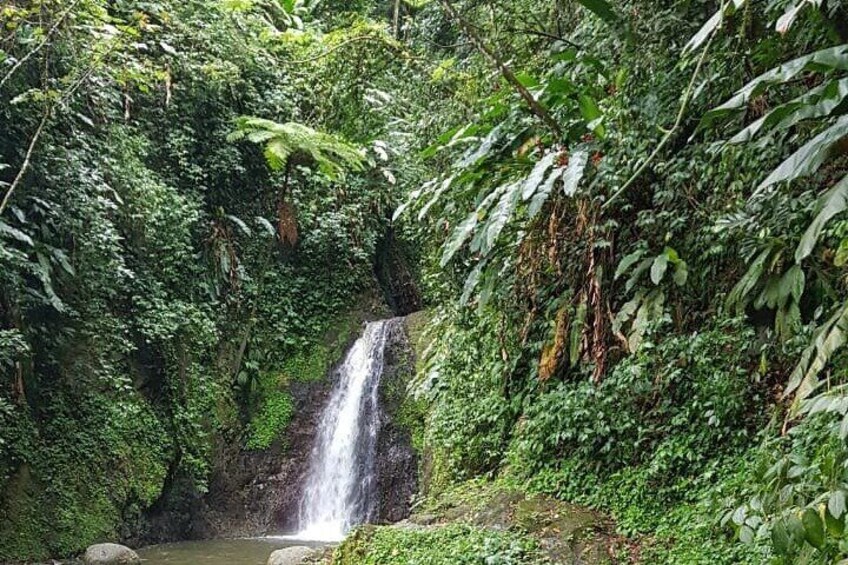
<point x="332" y="154"/>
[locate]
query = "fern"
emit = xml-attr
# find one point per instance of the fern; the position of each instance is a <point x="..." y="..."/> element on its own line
<point x="332" y="154"/>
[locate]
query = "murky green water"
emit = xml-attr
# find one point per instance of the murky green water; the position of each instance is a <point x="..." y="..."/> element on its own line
<point x="214" y="552"/>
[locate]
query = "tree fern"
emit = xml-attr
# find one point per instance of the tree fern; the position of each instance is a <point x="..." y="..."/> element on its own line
<point x="332" y="154"/>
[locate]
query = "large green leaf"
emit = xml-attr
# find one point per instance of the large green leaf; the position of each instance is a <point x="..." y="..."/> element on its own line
<point x="813" y="528"/>
<point x="785" y="21"/>
<point x="437" y="194"/>
<point x="501" y="215"/>
<point x="537" y="175"/>
<point x="817" y="103"/>
<point x="832" y="58"/>
<point x="832" y="203"/>
<point x="812" y="155"/>
<point x="574" y="171"/>
<point x="459" y="236"/>
<point x="836" y="504"/>
<point x="602" y="9"/>
<point x="465" y="229"/>
<point x="591" y="112"/>
<point x="780" y="538"/>
<point x="658" y="268"/>
<point x="483" y="150"/>
<point x="471" y="282"/>
<point x="711" y="25"/>
<point x="628" y="261"/>
<point x="738" y="295"/>
<point x="240" y="224"/>
<point x="544" y="191"/>
<point x="15" y="233"/>
<point x="829" y="339"/>
<point x="413" y="198"/>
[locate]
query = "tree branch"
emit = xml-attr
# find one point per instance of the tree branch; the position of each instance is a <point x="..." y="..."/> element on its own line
<point x="335" y="48"/>
<point x="396" y="21"/>
<point x="543" y="34"/>
<point x="684" y="105"/>
<point x="504" y="69"/>
<point x="27" y="159"/>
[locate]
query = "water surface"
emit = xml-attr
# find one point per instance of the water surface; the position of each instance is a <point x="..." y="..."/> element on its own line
<point x="252" y="551"/>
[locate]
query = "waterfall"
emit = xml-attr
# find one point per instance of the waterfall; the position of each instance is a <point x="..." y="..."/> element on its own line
<point x="339" y="490"/>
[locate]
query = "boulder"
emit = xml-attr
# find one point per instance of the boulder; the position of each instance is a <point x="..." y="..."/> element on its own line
<point x="110" y="554"/>
<point x="290" y="555"/>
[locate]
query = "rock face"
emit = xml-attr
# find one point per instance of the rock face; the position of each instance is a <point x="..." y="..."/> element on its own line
<point x="110" y="554"/>
<point x="290" y="555"/>
<point x="254" y="493"/>
<point x="396" y="460"/>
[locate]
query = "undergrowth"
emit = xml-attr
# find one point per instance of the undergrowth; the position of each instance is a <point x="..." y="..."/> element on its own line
<point x="455" y="544"/>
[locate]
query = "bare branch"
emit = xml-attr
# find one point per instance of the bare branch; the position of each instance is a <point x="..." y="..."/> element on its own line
<point x="684" y="105"/>
<point x="27" y="159"/>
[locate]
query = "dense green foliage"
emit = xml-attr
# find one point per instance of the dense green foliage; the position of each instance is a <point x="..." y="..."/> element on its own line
<point x="629" y="221"/>
<point x="634" y="313"/>
<point x="156" y="279"/>
<point x="450" y="545"/>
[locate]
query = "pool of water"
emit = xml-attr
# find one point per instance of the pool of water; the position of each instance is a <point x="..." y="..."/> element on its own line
<point x="252" y="551"/>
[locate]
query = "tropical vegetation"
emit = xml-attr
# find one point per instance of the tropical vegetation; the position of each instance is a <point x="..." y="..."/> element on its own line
<point x="627" y="221"/>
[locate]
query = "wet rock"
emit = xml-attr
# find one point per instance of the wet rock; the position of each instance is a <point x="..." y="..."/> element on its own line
<point x="255" y="493"/>
<point x="110" y="554"/>
<point x="290" y="555"/>
<point x="425" y="519"/>
<point x="396" y="462"/>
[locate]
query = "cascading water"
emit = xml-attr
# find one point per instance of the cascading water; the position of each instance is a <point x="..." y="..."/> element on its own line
<point x="339" y="490"/>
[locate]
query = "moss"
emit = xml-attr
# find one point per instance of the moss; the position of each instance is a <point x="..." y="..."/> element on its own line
<point x="416" y="329"/>
<point x="568" y="533"/>
<point x="82" y="517"/>
<point x="307" y="366"/>
<point x="409" y="411"/>
<point x="88" y="469"/>
<point x="274" y="405"/>
<point x="271" y="421"/>
<point x="411" y="417"/>
<point x="21" y="529"/>
<point x="471" y="495"/>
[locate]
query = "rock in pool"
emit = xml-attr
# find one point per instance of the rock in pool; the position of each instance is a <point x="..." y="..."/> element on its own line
<point x="110" y="554"/>
<point x="290" y="555"/>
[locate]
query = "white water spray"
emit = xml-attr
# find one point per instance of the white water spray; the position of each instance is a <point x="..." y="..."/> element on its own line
<point x="339" y="491"/>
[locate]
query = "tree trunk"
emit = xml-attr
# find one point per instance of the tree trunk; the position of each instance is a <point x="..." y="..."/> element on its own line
<point x="396" y="22"/>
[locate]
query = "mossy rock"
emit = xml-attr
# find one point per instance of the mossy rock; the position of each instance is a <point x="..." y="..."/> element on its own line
<point x="567" y="533"/>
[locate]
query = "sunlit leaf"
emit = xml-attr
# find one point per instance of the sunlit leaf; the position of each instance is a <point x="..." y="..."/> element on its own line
<point x="574" y="171"/>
